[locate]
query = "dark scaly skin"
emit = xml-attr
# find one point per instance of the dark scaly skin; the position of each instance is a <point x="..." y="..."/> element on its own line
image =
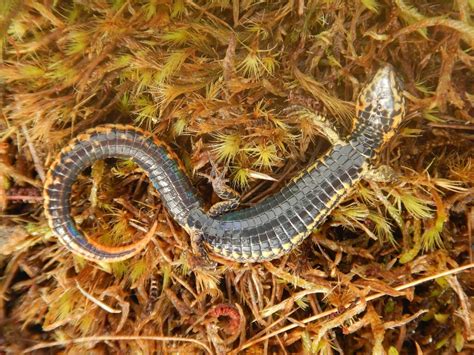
<point x="262" y="232"/>
<point x="118" y="141"/>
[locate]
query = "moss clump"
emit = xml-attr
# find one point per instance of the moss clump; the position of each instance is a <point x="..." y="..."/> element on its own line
<point x="239" y="82"/>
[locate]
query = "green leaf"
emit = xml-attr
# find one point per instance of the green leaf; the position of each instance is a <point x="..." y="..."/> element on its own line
<point x="266" y="155"/>
<point x="251" y="66"/>
<point x="226" y="146"/>
<point x="372" y="5"/>
<point x="177" y="8"/>
<point x="149" y="9"/>
<point x="431" y="238"/>
<point x="306" y="342"/>
<point x="302" y="303"/>
<point x="77" y="42"/>
<point x="138" y="268"/>
<point x="441" y="317"/>
<point x="441" y="343"/>
<point x="172" y="64"/>
<point x="177" y="37"/>
<point x="458" y="341"/>
<point x="389" y="306"/>
<point x="119" y="269"/>
<point x="241" y="177"/>
<point x="383" y="228"/>
<point x="179" y="125"/>
<point x="417" y="207"/>
<point x="31" y="71"/>
<point x="420" y="86"/>
<point x="431" y="116"/>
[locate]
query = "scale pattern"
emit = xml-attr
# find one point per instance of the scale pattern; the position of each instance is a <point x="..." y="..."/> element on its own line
<point x="113" y="141"/>
<point x="262" y="232"/>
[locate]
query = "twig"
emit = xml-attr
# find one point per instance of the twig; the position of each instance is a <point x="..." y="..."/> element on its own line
<point x="251" y="196"/>
<point x="114" y="338"/>
<point x="466" y="30"/>
<point x="96" y="301"/>
<point x="470" y="225"/>
<point x="368" y="299"/>
<point x="31" y="147"/>
<point x="8" y="170"/>
<point x="403" y="321"/>
<point x="452" y="126"/>
<point x="9" y="273"/>
<point x="26" y="198"/>
<point x="210" y="15"/>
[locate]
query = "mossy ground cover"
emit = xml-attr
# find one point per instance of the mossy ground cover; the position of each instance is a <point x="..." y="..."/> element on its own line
<point x="241" y="83"/>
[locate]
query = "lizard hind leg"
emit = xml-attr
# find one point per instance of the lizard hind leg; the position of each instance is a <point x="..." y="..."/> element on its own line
<point x="222" y="207"/>
<point x="199" y="254"/>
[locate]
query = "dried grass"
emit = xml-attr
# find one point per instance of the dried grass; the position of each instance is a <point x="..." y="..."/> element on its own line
<point x="391" y="271"/>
